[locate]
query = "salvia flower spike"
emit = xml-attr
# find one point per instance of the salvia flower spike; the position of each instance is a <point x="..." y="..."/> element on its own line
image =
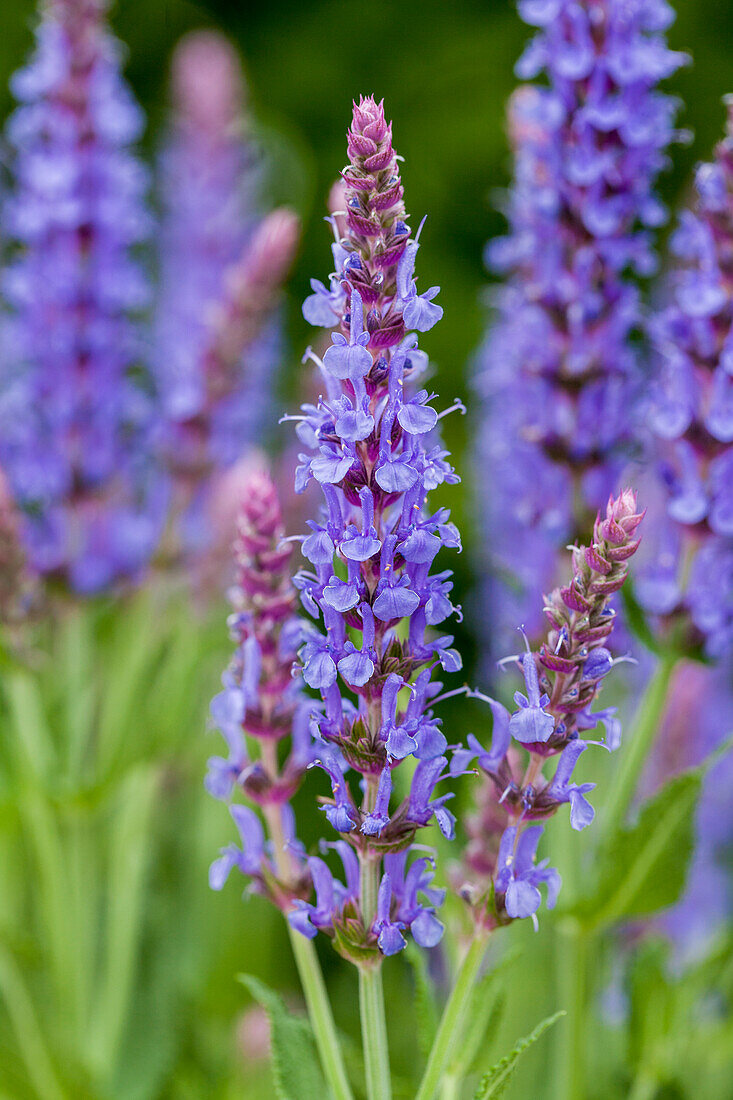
<point x="691" y="413"/>
<point x="260" y="698"/>
<point x="369" y="582"/>
<point x="559" y="372"/>
<point x="74" y="421"/>
<point x="562" y="681"/>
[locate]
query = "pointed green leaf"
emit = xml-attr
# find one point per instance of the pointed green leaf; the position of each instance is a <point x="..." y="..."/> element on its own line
<point x="129" y="846"/>
<point x="494" y="1083"/>
<point x="643" y="868"/>
<point x="295" y="1065"/>
<point x="29" y="736"/>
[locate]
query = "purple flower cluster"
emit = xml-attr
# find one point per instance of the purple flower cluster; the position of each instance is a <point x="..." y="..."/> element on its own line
<point x="210" y="178"/>
<point x="691" y="413"/>
<point x="558" y="372"/>
<point x="370" y="582"/>
<point x="562" y="681"/>
<point x="71" y="414"/>
<point x="261" y="697"/>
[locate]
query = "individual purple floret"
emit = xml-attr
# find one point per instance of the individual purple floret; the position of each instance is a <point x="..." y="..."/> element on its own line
<point x="558" y="372"/>
<point x="691" y="413"/>
<point x="261" y="698"/>
<point x="369" y="582"/>
<point x="72" y="417"/>
<point x="337" y="908"/>
<point x="501" y="879"/>
<point x="212" y="304"/>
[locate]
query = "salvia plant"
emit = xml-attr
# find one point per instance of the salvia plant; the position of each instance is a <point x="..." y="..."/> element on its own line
<point x="373" y="650"/>
<point x="451" y="876"/>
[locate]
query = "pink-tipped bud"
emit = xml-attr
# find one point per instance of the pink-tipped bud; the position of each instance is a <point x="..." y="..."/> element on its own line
<point x="207" y="83"/>
<point x="251" y="288"/>
<point x="370" y="136"/>
<point x="621" y="519"/>
<point x="270" y="254"/>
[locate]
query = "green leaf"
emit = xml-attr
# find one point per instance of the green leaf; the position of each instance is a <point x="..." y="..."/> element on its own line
<point x="494" y="1083"/>
<point x="295" y="1067"/>
<point x="27" y="1030"/>
<point x="29" y="736"/>
<point x="651" y="1000"/>
<point x="426" y="1008"/>
<point x="643" y="868"/>
<point x="130" y="844"/>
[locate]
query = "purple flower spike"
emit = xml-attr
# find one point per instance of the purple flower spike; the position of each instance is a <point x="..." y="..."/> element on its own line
<point x="562" y="682"/>
<point x="261" y="697"/>
<point x="559" y="373"/>
<point x="691" y="412"/>
<point x="75" y="426"/>
<point x="371" y="449"/>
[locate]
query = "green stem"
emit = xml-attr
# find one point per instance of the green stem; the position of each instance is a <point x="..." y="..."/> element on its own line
<point x="374" y="1032"/>
<point x="572" y="958"/>
<point x="452" y="1020"/>
<point x="320" y="1015"/>
<point x="371" y="994"/>
<point x="311" y="976"/>
<point x="645" y="728"/>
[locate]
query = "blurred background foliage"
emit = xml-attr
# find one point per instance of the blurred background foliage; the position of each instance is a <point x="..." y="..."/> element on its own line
<point x="127" y="986"/>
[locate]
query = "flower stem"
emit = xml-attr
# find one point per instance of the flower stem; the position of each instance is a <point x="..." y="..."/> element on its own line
<point x="320" y="1015"/>
<point x="374" y="1032"/>
<point x="371" y="993"/>
<point x="311" y="977"/>
<point x="645" y="727"/>
<point x="453" y="1017"/>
